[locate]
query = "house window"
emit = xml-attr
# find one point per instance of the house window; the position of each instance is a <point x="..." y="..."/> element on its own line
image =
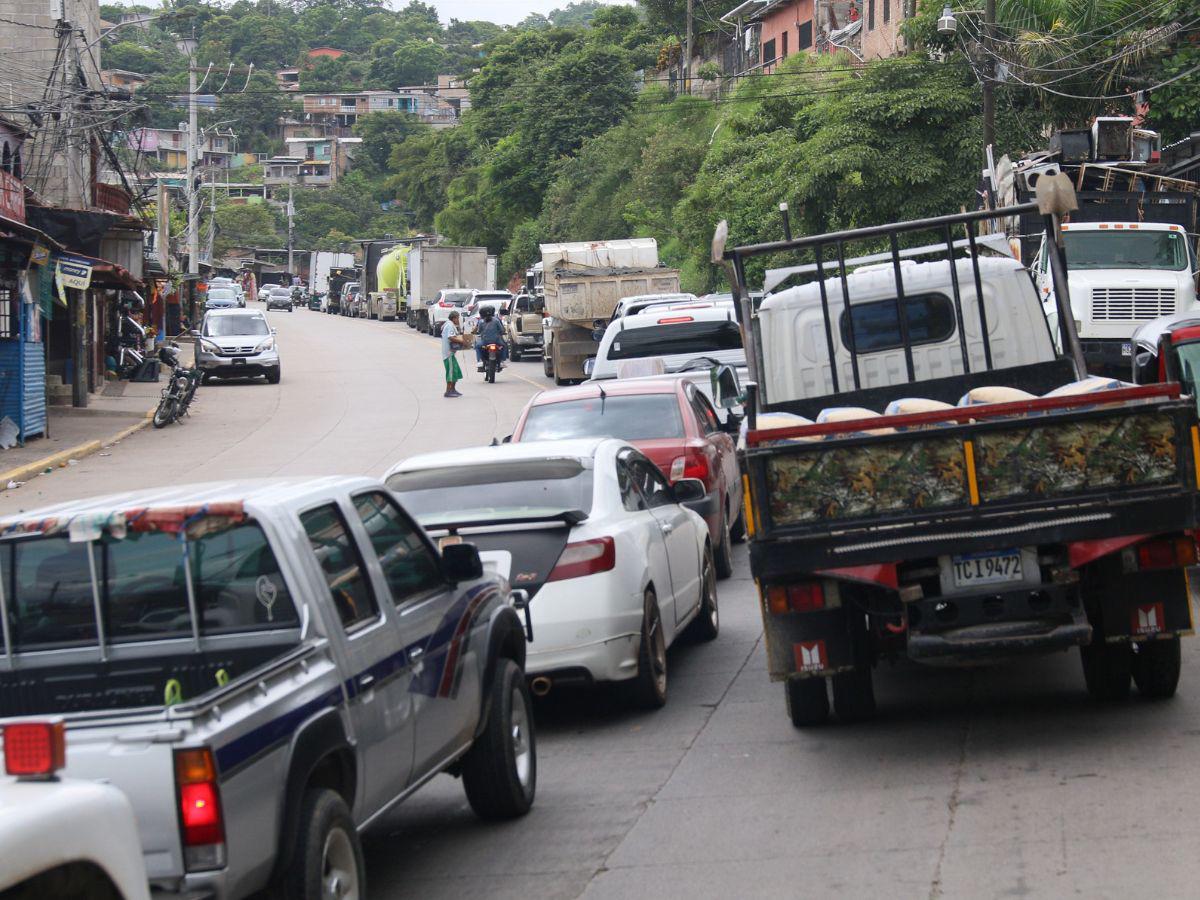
<point x="769" y="52"/>
<point x="887" y="10"/>
<point x="8" y="310"/>
<point x="871" y="15"/>
<point x="806" y="35"/>
<point x="784" y="51"/>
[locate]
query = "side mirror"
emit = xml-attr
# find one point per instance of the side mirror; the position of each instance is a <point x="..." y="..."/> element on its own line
<point x="461" y="562"/>
<point x="589" y="366"/>
<point x="690" y="490"/>
<point x="726" y="388"/>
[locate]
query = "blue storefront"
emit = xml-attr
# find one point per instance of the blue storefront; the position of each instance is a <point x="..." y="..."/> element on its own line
<point x="26" y="278"/>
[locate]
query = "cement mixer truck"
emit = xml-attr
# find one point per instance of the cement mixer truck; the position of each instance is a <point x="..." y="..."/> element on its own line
<point x="384" y="268"/>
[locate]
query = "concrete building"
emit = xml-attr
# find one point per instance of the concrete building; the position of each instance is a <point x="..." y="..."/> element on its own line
<point x="338" y="113"/>
<point x="881" y="27"/>
<point x="123" y="79"/>
<point x="168" y="146"/>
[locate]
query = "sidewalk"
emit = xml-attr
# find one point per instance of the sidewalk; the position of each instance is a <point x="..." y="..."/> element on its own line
<point x="118" y="410"/>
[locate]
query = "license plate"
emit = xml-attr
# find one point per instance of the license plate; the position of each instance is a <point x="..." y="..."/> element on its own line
<point x="1127" y="349"/>
<point x="987" y="568"/>
<point x="239" y="362"/>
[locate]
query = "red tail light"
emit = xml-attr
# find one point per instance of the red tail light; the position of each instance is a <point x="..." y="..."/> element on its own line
<point x="585" y="558"/>
<point x="675" y="320"/>
<point x="1168" y="553"/>
<point x="444" y="305"/>
<point x="34" y="749"/>
<point x="693" y="464"/>
<point x="202" y="824"/>
<point x="805" y="597"/>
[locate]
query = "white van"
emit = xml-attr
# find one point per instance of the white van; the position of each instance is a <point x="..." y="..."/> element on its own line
<point x="686" y="336"/>
<point x="1120" y="275"/>
<point x="792" y="326"/>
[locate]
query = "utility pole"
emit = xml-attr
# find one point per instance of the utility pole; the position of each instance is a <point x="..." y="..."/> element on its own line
<point x="989" y="76"/>
<point x="193" y="234"/>
<point x="289" y="234"/>
<point x="687" y="52"/>
<point x="212" y="216"/>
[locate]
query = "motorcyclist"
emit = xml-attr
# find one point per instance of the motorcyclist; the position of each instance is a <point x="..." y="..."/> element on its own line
<point x="491" y="331"/>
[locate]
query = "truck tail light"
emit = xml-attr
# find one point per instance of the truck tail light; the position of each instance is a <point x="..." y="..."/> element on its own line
<point x="34" y="749"/>
<point x="585" y="558"/>
<point x="805" y="597"/>
<point x="201" y="822"/>
<point x="675" y="320"/>
<point x="1168" y="553"/>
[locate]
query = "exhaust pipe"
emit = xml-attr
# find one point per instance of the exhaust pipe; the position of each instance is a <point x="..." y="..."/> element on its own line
<point x="540" y="686"/>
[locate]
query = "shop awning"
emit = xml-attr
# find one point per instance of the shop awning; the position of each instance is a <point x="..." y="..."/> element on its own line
<point x="109" y="274"/>
<point x="11" y="228"/>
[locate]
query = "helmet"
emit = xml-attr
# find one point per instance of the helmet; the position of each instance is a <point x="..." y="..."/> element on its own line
<point x="487" y="312"/>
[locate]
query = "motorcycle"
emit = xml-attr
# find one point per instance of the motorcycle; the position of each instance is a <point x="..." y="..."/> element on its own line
<point x="180" y="390"/>
<point x="492" y="362"/>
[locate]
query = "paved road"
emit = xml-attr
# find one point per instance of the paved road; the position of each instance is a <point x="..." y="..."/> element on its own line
<point x="980" y="783"/>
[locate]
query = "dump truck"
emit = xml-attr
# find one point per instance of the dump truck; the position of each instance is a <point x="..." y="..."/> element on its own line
<point x="929" y="476"/>
<point x="582" y="283"/>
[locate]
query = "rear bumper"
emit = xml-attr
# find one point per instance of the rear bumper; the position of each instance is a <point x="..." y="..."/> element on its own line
<point x="998" y="641"/>
<point x="612" y="659"/>
<point x="529" y="340"/>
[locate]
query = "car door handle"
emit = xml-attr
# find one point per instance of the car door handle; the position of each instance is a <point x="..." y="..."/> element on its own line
<point x="667" y="527"/>
<point x="415" y="653"/>
<point x="366" y="681"/>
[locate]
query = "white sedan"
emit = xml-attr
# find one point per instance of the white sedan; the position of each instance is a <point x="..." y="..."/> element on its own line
<point x="613" y="565"/>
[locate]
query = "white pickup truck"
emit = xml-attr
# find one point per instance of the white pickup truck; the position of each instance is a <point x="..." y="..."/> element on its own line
<point x="264" y="669"/>
<point x="1120" y="275"/>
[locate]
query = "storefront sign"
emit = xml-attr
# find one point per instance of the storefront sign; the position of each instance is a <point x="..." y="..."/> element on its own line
<point x="12" y="197"/>
<point x="39" y="255"/>
<point x="74" y="273"/>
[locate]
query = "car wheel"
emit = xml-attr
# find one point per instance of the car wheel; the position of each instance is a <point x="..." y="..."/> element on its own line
<point x="807" y="701"/>
<point x="500" y="770"/>
<point x="275" y="376"/>
<point x="708" y="621"/>
<point x="724" y="554"/>
<point x="1156" y="666"/>
<point x="205" y="378"/>
<point x="326" y="859"/>
<point x="738" y="530"/>
<point x="650" y="684"/>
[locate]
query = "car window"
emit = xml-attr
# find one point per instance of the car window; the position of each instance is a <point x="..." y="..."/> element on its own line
<point x="930" y="319"/>
<point x="708" y="416"/>
<point x="634" y="417"/>
<point x="343" y="566"/>
<point x="676" y="339"/>
<point x="650" y="481"/>
<point x="631" y="497"/>
<point x="407" y="561"/>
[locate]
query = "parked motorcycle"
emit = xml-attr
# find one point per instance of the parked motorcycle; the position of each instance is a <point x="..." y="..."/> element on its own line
<point x="180" y="390"/>
<point x="492" y="362"/>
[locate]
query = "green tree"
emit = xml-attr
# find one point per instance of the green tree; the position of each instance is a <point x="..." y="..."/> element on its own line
<point x="380" y="133"/>
<point x="245" y="225"/>
<point x="134" y="58"/>
<point x="254" y="113"/>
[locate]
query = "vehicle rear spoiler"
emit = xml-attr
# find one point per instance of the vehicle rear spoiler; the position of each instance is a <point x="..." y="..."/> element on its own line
<point x="570" y="517"/>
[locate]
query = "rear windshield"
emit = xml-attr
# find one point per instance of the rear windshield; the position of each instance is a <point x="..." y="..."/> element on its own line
<point x="142" y="586"/>
<point x="1126" y="249"/>
<point x="677" y="339"/>
<point x="640" y="418"/>
<point x="458" y="298"/>
<point x="930" y="319"/>
<point x="233" y="326"/>
<point x="520" y="488"/>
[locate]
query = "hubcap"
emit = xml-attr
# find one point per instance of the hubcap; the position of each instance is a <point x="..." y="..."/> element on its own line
<point x="658" y="654"/>
<point x="339" y="872"/>
<point x="710" y="593"/>
<point x="522" y="751"/>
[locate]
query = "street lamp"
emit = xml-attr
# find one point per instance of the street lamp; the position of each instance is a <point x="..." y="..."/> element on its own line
<point x="947" y="26"/>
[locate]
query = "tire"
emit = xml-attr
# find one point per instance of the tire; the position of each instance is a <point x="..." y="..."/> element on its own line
<point x="707" y="624"/>
<point x="548" y="366"/>
<point x="649" y="687"/>
<point x="514" y="353"/>
<point x="489" y="371"/>
<point x="205" y="378"/>
<point x="499" y="772"/>
<point x="1107" y="668"/>
<point x="326" y="846"/>
<point x="166" y="412"/>
<point x="274" y="377"/>
<point x="738" y="530"/>
<point x="807" y="701"/>
<point x="724" y="552"/>
<point x="1156" y="667"/>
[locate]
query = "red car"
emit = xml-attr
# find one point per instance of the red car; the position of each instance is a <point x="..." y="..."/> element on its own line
<point x="672" y="422"/>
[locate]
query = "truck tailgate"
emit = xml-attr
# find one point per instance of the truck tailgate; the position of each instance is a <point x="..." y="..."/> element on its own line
<point x="1121" y="462"/>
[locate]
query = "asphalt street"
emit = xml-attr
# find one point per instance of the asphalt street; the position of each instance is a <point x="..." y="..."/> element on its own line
<point x="994" y="782"/>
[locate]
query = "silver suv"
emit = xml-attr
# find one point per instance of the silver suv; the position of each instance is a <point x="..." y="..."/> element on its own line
<point x="237" y="343"/>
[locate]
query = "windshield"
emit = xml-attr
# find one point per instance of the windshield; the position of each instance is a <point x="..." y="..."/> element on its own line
<point x="644" y="417"/>
<point x="230" y="326"/>
<point x="676" y="339"/>
<point x="1126" y="250"/>
<point x="517" y="489"/>
<point x="222" y="294"/>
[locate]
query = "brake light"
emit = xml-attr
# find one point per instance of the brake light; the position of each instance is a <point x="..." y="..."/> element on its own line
<point x="675" y="320"/>
<point x="1169" y="553"/>
<point x="585" y="558"/>
<point x="805" y="597"/>
<point x="201" y="821"/>
<point x="444" y="305"/>
<point x="693" y="464"/>
<point x="34" y="749"/>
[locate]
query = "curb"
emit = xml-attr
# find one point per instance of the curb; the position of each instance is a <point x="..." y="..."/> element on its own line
<point x="79" y="451"/>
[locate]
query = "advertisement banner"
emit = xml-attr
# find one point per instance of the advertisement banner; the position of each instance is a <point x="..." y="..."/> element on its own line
<point x="73" y="272"/>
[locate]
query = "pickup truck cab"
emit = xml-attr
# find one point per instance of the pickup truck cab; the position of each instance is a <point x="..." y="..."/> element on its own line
<point x="942" y="485"/>
<point x="264" y="668"/>
<point x="1120" y="274"/>
<point x="524" y="326"/>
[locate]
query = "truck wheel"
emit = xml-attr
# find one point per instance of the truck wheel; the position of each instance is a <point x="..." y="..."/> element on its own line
<point x="707" y="624"/>
<point x="1156" y="666"/>
<point x="1106" y="668"/>
<point x="500" y="770"/>
<point x="807" y="701"/>
<point x="649" y="686"/>
<point x="548" y="365"/>
<point x="327" y="858"/>
<point x="724" y="554"/>
<point x="514" y="352"/>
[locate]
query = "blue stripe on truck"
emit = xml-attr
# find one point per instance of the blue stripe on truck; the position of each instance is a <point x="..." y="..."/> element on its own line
<point x="241" y="750"/>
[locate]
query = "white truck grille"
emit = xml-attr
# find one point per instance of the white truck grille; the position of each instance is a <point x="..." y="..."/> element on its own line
<point x="1132" y="304"/>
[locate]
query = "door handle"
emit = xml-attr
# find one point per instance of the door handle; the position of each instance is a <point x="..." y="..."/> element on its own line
<point x="415" y="653"/>
<point x="366" y="681"/>
<point x="667" y="528"/>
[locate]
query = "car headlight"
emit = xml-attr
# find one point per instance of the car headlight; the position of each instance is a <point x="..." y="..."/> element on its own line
<point x="268" y="344"/>
<point x="209" y="346"/>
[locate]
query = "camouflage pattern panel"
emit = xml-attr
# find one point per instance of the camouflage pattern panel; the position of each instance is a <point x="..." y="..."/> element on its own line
<point x="885" y="477"/>
<point x="1071" y="457"/>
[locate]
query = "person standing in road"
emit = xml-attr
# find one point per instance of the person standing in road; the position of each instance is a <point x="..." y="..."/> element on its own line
<point x="451" y="341"/>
